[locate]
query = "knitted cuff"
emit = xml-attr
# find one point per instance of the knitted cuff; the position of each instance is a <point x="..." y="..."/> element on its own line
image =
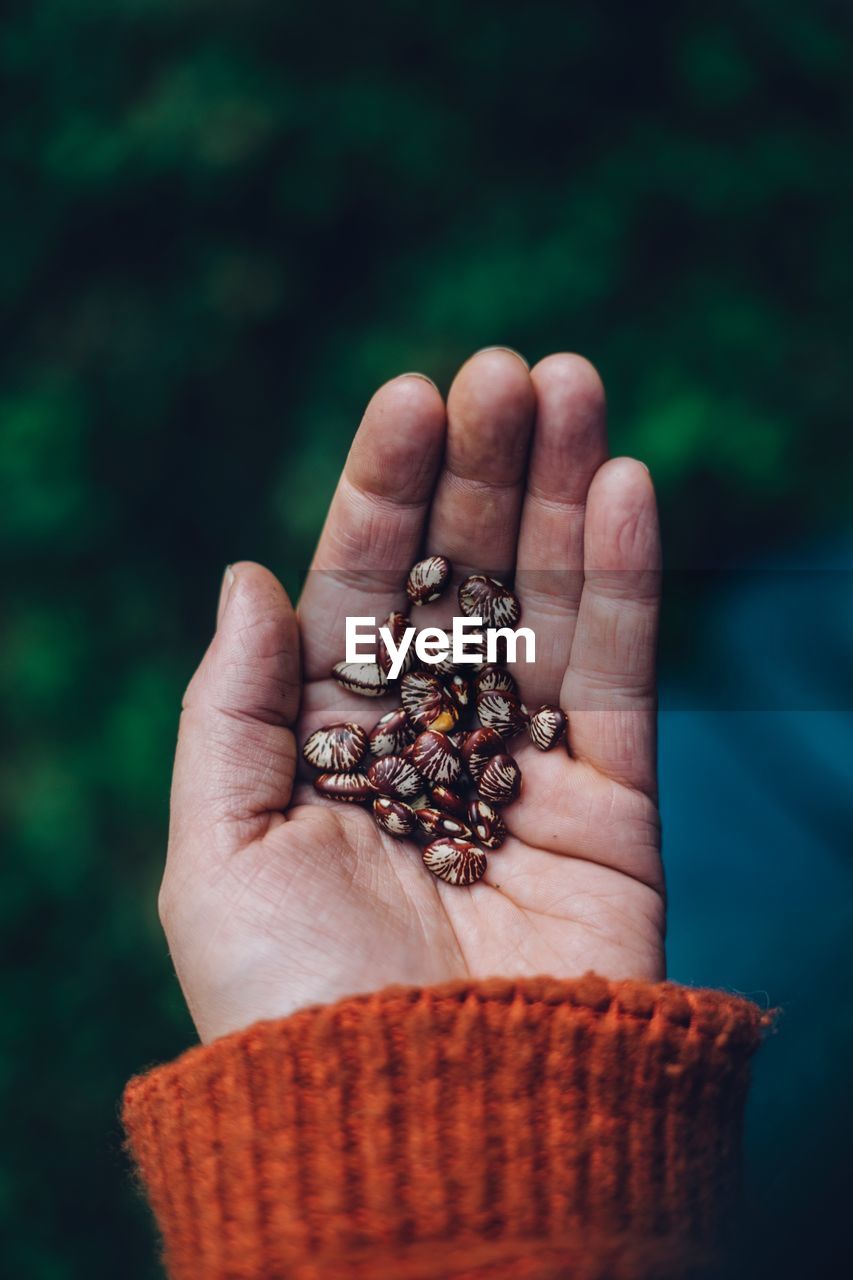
<point x="527" y="1128"/>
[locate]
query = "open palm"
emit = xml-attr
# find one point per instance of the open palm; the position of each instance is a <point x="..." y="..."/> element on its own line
<point x="274" y="898"/>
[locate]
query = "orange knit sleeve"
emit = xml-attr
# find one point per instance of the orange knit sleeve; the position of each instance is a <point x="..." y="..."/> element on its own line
<point x="522" y="1129"/>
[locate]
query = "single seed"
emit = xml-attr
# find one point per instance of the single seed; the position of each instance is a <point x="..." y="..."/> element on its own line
<point x="367" y="679"/>
<point x="426" y="701"/>
<point x="449" y="800"/>
<point x="547" y="726"/>
<point x="391" y="734"/>
<point x="428" y="818"/>
<point x="479" y="747"/>
<point x="427" y="579"/>
<point x="500" y="781"/>
<point x="351" y="788"/>
<point x="487" y="825"/>
<point x="486" y="598"/>
<point x="501" y="712"/>
<point x="493" y="677"/>
<point x="460" y="691"/>
<point x="396" y="624"/>
<point x="335" y="748"/>
<point x="394" y="816"/>
<point x="435" y="758"/>
<point x="455" y="860"/>
<point x="436" y="823"/>
<point x="393" y="776"/>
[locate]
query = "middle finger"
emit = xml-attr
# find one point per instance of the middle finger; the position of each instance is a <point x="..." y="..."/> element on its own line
<point x="477" y="502"/>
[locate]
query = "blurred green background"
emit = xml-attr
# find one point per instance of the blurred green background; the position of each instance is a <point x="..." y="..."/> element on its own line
<point x="222" y="224"/>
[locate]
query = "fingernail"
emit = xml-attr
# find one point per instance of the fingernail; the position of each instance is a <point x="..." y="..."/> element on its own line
<point x="510" y="351"/>
<point x="224" y="592"/>
<point x="414" y="373"/>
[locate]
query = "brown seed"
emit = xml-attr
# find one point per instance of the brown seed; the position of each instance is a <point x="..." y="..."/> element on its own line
<point x="500" y="781"/>
<point x="493" y="677"/>
<point x="367" y="679"/>
<point x="391" y="734"/>
<point x="460" y="691"/>
<point x="336" y="747"/>
<point x="547" y="726"/>
<point x="427" y="579"/>
<point x="501" y="712"/>
<point x="449" y="800"/>
<point x="427" y="703"/>
<point x="455" y="860"/>
<point x="351" y="788"/>
<point x="393" y="816"/>
<point x="435" y="758"/>
<point x="436" y="823"/>
<point x="396" y="624"/>
<point x="479" y="747"/>
<point x="393" y="776"/>
<point x="428" y="818"/>
<point x="483" y="597"/>
<point x="487" y="825"/>
<point x="458" y="738"/>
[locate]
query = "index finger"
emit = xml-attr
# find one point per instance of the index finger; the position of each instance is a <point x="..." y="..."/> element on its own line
<point x="375" y="525"/>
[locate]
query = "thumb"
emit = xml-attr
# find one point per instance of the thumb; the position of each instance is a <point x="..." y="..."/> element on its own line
<point x="236" y="754"/>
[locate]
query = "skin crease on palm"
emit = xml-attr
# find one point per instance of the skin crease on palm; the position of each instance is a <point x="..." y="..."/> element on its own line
<point x="274" y="899"/>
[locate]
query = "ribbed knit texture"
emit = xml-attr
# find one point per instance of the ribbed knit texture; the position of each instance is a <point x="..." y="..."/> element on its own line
<point x="496" y="1129"/>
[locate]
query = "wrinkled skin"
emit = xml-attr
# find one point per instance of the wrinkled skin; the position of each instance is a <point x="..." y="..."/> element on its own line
<point x="274" y="899"/>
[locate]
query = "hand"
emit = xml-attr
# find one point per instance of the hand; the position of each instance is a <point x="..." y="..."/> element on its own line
<point x="273" y="898"/>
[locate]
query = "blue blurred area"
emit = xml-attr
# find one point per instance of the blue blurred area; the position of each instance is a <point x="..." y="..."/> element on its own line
<point x="758" y="823"/>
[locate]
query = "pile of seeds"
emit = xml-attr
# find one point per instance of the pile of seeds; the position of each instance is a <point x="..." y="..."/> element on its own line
<point x="438" y="765"/>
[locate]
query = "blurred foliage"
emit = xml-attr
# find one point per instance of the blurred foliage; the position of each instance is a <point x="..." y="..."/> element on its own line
<point x="223" y="223"/>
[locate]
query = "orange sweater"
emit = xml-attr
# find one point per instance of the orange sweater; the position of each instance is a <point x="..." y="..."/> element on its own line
<point x="522" y="1129"/>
